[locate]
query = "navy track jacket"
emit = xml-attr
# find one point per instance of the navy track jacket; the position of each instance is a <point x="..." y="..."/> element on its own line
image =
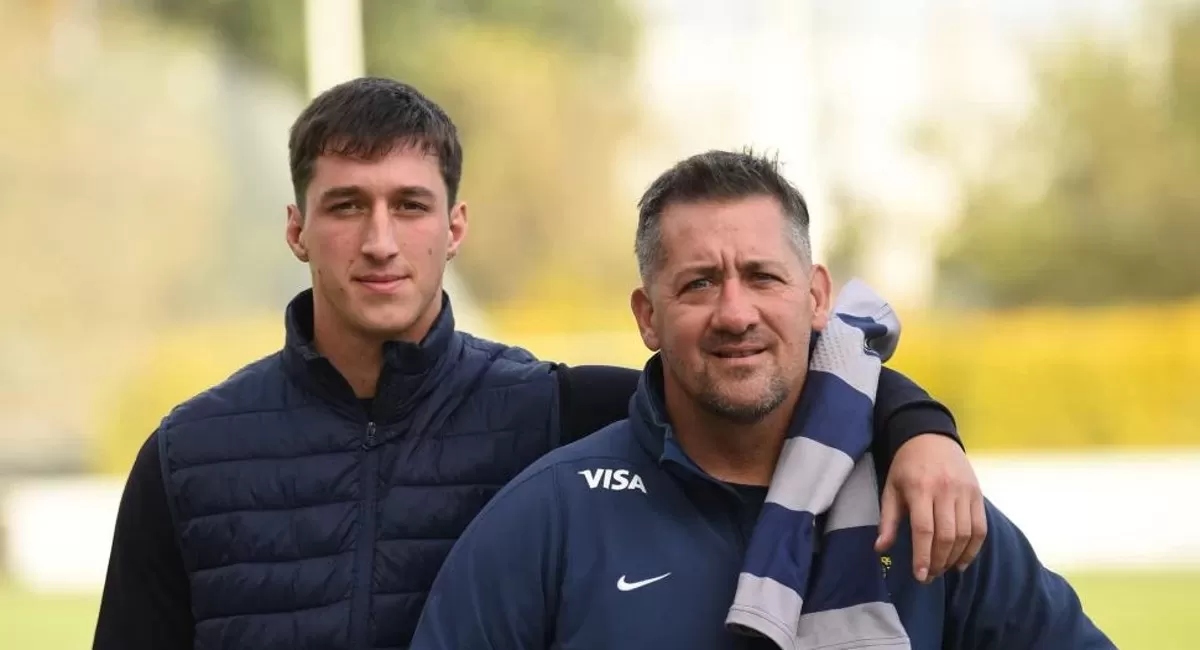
<point x="619" y="541"/>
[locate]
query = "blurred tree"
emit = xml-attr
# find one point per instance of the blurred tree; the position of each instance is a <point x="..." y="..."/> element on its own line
<point x="855" y="222"/>
<point x="537" y="91"/>
<point x="1094" y="199"/>
<point x="104" y="195"/>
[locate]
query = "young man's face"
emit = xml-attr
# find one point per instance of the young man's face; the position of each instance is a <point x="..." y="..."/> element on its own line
<point x="732" y="306"/>
<point x="376" y="236"/>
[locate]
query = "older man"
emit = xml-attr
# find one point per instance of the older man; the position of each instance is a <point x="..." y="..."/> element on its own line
<point x="736" y="506"/>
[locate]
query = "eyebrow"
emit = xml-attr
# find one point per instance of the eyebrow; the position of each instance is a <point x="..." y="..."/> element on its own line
<point x="414" y="191"/>
<point x="354" y="191"/>
<point x="762" y="266"/>
<point x="749" y="266"/>
<point x="696" y="269"/>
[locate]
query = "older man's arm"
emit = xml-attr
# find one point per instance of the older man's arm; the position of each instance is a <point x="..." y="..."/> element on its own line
<point x="1008" y="599"/>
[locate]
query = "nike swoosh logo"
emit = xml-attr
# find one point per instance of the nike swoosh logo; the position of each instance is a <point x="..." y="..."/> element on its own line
<point x="630" y="586"/>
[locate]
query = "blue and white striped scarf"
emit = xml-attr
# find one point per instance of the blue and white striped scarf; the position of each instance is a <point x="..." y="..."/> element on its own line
<point x="837" y="598"/>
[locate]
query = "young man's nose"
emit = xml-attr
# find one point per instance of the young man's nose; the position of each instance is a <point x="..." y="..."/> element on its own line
<point x="380" y="240"/>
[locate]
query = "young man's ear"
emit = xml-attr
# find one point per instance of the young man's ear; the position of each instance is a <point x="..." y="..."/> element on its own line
<point x="295" y="233"/>
<point x="643" y="313"/>
<point x="458" y="229"/>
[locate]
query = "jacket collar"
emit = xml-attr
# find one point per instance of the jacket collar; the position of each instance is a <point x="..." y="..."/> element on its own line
<point x="650" y="422"/>
<point x="408" y="370"/>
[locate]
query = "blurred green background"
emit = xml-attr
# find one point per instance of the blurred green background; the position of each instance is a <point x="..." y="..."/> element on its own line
<point x="1019" y="177"/>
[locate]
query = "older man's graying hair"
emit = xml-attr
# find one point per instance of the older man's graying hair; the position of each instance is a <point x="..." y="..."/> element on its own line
<point x="716" y="176"/>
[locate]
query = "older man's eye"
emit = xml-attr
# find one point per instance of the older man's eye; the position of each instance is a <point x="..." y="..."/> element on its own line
<point x="698" y="283"/>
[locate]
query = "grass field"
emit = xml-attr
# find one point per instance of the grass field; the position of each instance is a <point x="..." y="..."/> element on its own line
<point x="1139" y="611"/>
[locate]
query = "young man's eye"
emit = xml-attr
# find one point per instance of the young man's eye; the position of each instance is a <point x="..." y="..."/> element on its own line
<point x="413" y="206"/>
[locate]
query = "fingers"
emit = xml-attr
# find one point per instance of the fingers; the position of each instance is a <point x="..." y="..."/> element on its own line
<point x="945" y="533"/>
<point x="890" y="513"/>
<point x="920" y="507"/>
<point x="962" y="530"/>
<point x="978" y="532"/>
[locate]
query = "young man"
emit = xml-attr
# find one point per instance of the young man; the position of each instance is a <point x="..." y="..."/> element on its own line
<point x="659" y="531"/>
<point x="309" y="500"/>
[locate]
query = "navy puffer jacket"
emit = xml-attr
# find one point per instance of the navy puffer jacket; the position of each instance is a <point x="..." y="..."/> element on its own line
<point x="306" y="521"/>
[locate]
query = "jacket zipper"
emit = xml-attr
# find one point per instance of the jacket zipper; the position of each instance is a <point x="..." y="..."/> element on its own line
<point x="364" y="552"/>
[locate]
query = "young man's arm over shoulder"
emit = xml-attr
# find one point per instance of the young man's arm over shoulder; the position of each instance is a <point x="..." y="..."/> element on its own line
<point x="903" y="411"/>
<point x="498" y="588"/>
<point x="593" y="397"/>
<point x="1008" y="599"/>
<point x="926" y="476"/>
<point x="146" y="603"/>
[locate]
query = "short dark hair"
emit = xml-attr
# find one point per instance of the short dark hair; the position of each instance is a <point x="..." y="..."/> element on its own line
<point x="367" y="118"/>
<point x="716" y="176"/>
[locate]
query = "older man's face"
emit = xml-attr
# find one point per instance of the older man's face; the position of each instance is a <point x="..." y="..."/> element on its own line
<point x="733" y="306"/>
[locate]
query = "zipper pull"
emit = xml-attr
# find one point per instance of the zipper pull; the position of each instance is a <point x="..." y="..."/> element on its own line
<point x="370" y="436"/>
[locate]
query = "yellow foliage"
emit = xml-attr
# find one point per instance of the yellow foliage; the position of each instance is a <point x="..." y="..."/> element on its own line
<point x="1053" y="379"/>
<point x="557" y="302"/>
<point x="176" y="367"/>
